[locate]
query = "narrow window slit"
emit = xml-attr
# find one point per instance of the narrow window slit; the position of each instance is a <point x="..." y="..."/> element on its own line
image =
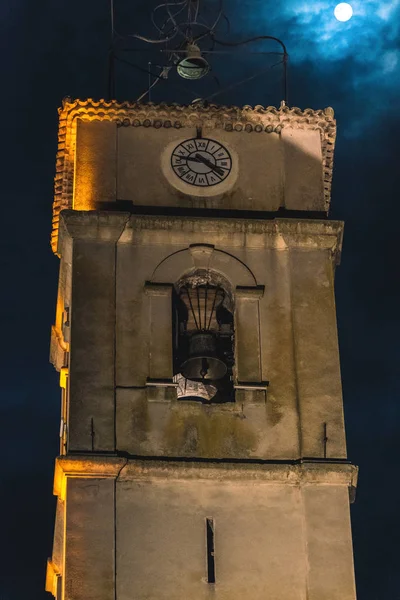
<point x="210" y="550"/>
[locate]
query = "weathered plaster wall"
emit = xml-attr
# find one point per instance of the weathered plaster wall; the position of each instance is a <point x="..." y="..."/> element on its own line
<point x="92" y="331"/>
<point x="303" y="187"/>
<point x="259" y="543"/>
<point x="138" y="527"/>
<point x="91" y="415"/>
<point x="329" y="545"/>
<point x="316" y="352"/>
<point x="58" y="541"/>
<point x="59" y="345"/>
<point x="95" y="164"/>
<point x="142" y="179"/>
<point x="119" y="318"/>
<point x="300" y="364"/>
<point x="281" y="531"/>
<point x="89" y="540"/>
<point x="133" y="164"/>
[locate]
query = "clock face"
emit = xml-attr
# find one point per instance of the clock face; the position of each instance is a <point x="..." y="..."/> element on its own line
<point x="201" y="162"/>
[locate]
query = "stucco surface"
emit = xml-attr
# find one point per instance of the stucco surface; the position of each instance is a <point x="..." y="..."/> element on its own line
<point x="89" y="540"/>
<point x="316" y="353"/>
<point x="285" y="333"/>
<point x="329" y="544"/>
<point x="144" y="172"/>
<point x="58" y="541"/>
<point x="91" y="414"/>
<point x="138" y="527"/>
<point x="95" y="164"/>
<point x="259" y="545"/>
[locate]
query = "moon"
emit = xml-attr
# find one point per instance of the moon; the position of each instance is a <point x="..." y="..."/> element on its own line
<point x="343" y="11"/>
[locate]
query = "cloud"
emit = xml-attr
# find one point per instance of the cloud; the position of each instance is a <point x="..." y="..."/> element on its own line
<point x="390" y="62"/>
<point x="387" y="9"/>
<point x="362" y="53"/>
<point x="374" y="27"/>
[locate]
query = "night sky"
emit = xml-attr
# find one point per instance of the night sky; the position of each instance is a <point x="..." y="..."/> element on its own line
<point x="54" y="48"/>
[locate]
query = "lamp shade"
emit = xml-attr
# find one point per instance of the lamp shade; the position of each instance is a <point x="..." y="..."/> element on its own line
<point x="193" y="65"/>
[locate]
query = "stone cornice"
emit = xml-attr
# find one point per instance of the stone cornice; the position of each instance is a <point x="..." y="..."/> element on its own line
<point x="248" y="119"/>
<point x="306" y="472"/>
<point x="277" y="473"/>
<point x="95" y="467"/>
<point x="102" y="226"/>
<point x="280" y="234"/>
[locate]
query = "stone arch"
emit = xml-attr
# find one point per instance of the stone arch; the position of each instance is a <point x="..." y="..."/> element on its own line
<point x="204" y="256"/>
<point x="247" y="315"/>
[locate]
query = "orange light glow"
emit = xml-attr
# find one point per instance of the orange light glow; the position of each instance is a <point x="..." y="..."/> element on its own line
<point x="52" y="575"/>
<point x="63" y="377"/>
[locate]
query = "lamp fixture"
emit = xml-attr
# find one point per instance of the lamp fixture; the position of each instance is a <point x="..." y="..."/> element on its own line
<point x="193" y="65"/>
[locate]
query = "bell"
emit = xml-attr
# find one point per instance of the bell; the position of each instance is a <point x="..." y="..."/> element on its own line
<point x="193" y="66"/>
<point x="203" y="362"/>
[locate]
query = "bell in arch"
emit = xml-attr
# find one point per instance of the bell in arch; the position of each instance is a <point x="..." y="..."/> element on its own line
<point x="193" y="65"/>
<point x="204" y="358"/>
<point x="203" y="362"/>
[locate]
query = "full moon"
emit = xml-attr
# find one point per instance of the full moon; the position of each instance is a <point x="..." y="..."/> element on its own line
<point x="343" y="11"/>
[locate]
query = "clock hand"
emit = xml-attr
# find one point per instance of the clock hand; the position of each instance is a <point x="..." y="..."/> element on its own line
<point x="202" y="159"/>
<point x="209" y="164"/>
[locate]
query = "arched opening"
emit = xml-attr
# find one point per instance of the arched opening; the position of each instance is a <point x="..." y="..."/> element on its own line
<point x="203" y="343"/>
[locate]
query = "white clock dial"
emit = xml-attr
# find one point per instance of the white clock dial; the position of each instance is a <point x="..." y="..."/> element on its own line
<point x="201" y="162"/>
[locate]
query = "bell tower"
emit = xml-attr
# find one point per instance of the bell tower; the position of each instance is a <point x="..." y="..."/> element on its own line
<point x="202" y="442"/>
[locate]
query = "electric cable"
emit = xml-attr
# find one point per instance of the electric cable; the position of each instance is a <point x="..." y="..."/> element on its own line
<point x="253" y="39"/>
<point x="237" y="83"/>
<point x="151" y="41"/>
<point x="152" y="16"/>
<point x="147" y="92"/>
<point x="147" y="71"/>
<point x="163" y="75"/>
<point x="196" y="14"/>
<point x="166" y="21"/>
<point x="197" y="17"/>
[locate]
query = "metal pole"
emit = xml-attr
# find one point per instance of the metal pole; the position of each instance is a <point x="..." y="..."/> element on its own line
<point x="149" y="68"/>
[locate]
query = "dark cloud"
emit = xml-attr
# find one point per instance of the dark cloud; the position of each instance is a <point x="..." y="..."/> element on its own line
<point x="360" y="58"/>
